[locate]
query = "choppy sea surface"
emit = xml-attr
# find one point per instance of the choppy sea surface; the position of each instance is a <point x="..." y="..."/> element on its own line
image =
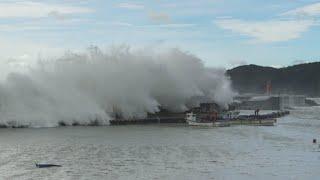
<point x="284" y="151"/>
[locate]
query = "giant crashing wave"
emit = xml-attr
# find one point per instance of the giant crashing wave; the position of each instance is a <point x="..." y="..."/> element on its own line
<point x="81" y="88"/>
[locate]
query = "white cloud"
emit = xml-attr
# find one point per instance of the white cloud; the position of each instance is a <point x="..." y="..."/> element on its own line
<point x="308" y="10"/>
<point x="224" y="17"/>
<point x="26" y="9"/>
<point x="170" y="25"/>
<point x="57" y="15"/>
<point x="237" y="62"/>
<point x="119" y="23"/>
<point x="300" y="61"/>
<point x="267" y="31"/>
<point x="289" y="25"/>
<point x="131" y="6"/>
<point x="159" y="17"/>
<point x="277" y="66"/>
<point x="39" y="26"/>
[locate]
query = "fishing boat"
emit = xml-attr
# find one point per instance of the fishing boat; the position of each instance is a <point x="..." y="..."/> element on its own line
<point x="230" y="118"/>
<point x="193" y="120"/>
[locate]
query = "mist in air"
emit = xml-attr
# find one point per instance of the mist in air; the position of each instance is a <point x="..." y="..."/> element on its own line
<point x="83" y="87"/>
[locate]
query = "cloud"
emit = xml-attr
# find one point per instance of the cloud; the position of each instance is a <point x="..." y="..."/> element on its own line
<point x="277" y="66"/>
<point x="40" y="26"/>
<point x="237" y="62"/>
<point x="131" y="6"/>
<point x="159" y="17"/>
<point x="287" y="26"/>
<point x="299" y="61"/>
<point x="119" y="23"/>
<point x="267" y="31"/>
<point x="57" y="15"/>
<point x="26" y="9"/>
<point x="176" y="25"/>
<point x="308" y="10"/>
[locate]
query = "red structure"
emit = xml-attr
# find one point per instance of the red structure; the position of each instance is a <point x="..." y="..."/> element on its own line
<point x="268" y="87"/>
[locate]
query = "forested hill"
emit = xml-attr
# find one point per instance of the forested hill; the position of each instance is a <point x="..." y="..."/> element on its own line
<point x="297" y="79"/>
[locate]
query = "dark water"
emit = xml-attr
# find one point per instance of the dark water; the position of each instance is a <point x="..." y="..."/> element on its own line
<point x="166" y="151"/>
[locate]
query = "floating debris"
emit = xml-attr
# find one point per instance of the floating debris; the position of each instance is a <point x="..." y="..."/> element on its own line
<point x="47" y="165"/>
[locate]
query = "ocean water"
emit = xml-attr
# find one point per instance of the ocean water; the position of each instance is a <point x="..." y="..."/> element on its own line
<point x="284" y="151"/>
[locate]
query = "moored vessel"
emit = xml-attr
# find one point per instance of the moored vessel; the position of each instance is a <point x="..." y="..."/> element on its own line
<point x="208" y="121"/>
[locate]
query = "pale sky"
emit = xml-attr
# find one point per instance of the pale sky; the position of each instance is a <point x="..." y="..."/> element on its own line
<point x="222" y="33"/>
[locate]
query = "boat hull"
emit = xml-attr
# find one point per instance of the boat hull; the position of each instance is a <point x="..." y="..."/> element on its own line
<point x="254" y="122"/>
<point x="200" y="124"/>
<point x="208" y="124"/>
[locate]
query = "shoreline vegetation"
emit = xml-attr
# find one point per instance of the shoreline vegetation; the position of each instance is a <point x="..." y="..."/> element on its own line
<point x="300" y="79"/>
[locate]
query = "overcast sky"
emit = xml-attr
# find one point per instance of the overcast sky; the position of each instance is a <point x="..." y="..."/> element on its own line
<point x="221" y="32"/>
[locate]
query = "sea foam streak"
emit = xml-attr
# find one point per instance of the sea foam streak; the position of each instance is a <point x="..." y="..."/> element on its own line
<point x="85" y="87"/>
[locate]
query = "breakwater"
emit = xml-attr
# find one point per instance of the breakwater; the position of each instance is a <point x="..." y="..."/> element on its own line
<point x="148" y="120"/>
<point x="263" y="119"/>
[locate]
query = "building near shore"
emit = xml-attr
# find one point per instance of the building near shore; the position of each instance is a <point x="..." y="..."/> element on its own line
<point x="269" y="102"/>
